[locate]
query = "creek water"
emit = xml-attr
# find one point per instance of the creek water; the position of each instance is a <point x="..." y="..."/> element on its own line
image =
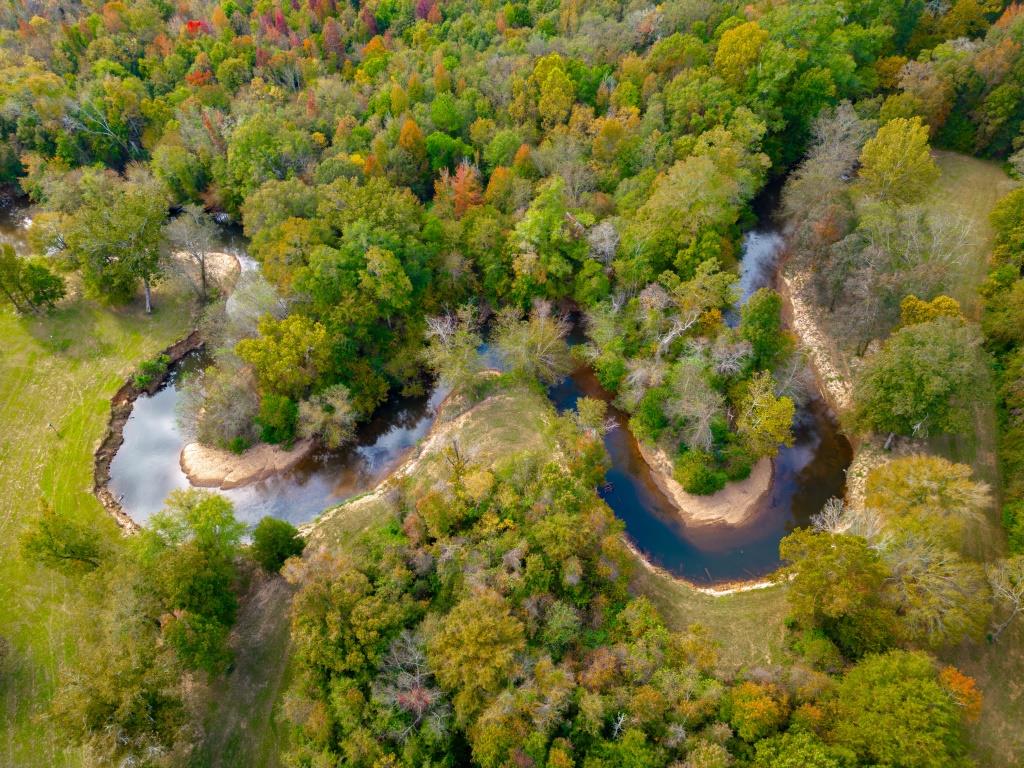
<point x="146" y="468"/>
<point x="14" y="223"/>
<point x="805" y="474"/>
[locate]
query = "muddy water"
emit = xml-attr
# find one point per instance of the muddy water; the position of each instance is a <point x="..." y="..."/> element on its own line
<point x="14" y="223"/>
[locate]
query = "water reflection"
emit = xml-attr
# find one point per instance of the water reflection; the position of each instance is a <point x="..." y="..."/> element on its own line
<point x="14" y="223"/>
<point x="146" y="468"/>
<point x="806" y="475"/>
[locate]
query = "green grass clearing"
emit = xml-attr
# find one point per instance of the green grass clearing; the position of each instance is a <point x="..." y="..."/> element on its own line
<point x="57" y="375"/>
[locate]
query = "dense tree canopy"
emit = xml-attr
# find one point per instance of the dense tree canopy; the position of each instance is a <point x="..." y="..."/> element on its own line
<point x="417" y="177"/>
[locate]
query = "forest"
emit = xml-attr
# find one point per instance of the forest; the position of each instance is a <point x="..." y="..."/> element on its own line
<point x="352" y="206"/>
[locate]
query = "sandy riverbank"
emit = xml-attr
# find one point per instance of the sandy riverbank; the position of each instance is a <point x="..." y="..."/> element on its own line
<point x="733" y="505"/>
<point x="207" y="467"/>
<point x="833" y="378"/>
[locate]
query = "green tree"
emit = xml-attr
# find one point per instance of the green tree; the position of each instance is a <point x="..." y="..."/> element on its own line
<point x="761" y="325"/>
<point x="892" y="710"/>
<point x="836" y="585"/>
<point x="277" y="419"/>
<point x="59" y="542"/>
<point x="188" y="554"/>
<point x="797" y="749"/>
<point x="116" y="234"/>
<point x="557" y="91"/>
<point x="896" y="164"/>
<point x="446" y="113"/>
<point x="288" y="356"/>
<point x="738" y="51"/>
<point x="274" y="541"/>
<point x="929" y="495"/>
<point x="922" y="379"/>
<point x="200" y="517"/>
<point x="264" y="146"/>
<point x="474" y="651"/>
<point x="550" y="246"/>
<point x="28" y="284"/>
<point x="765" y="421"/>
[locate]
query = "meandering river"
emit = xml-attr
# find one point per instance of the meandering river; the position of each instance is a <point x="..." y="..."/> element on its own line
<point x="146" y="469"/>
<point x="805" y="474"/>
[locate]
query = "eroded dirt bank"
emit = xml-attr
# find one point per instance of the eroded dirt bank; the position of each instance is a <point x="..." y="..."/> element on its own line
<point x="120" y="411"/>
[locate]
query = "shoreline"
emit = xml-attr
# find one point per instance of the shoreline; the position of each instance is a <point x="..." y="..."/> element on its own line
<point x="123" y="401"/>
<point x="121" y="405"/>
<point x="438" y="431"/>
<point x="208" y="467"/>
<point x="733" y="505"/>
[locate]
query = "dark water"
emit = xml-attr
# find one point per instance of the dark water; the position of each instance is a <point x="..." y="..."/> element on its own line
<point x="14" y="223"/>
<point x="146" y="469"/>
<point x="806" y="476"/>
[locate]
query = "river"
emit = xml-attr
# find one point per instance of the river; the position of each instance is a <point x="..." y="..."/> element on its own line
<point x="805" y="475"/>
<point x="146" y="468"/>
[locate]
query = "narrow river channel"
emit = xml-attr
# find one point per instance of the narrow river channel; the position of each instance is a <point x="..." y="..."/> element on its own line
<point x="146" y="468"/>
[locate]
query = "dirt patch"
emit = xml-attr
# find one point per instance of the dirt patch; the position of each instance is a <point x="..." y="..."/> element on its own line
<point x="733" y="505"/>
<point x="207" y="467"/>
<point x="222" y="269"/>
<point x="120" y="410"/>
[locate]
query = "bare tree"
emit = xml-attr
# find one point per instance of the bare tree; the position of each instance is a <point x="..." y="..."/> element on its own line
<point x="604" y="242"/>
<point x="565" y="156"/>
<point x="695" y="403"/>
<point x="940" y="597"/>
<point x="536" y="346"/>
<point x="642" y="373"/>
<point x="452" y="353"/>
<point x="729" y="357"/>
<point x="329" y="417"/>
<point x="832" y="518"/>
<point x="1006" y="578"/>
<point x="192" y="234"/>
<point x="406" y="683"/>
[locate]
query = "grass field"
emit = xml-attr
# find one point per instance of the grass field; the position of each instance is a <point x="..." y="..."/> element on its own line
<point x="970" y="188"/>
<point x="56" y="378"/>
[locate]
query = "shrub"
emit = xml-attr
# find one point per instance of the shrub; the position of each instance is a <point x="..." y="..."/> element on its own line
<point x="238" y="445"/>
<point x="819" y="651"/>
<point x="274" y="541"/>
<point x="737" y="462"/>
<point x="151" y="370"/>
<point x="277" y="419"/>
<point x="1013" y="520"/>
<point x="649" y="421"/>
<point x="695" y="471"/>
